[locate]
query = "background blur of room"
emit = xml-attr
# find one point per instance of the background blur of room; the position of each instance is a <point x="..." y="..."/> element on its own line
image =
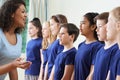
<point x="72" y="9"/>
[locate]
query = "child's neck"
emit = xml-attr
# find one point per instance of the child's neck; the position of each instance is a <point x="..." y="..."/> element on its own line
<point x="90" y="40"/>
<point x="109" y="43"/>
<point x="119" y="44"/>
<point x="118" y="40"/>
<point x="35" y="37"/>
<point x="68" y="47"/>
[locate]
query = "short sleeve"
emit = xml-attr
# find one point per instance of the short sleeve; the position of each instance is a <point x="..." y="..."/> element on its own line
<point x="94" y="60"/>
<point x="95" y="49"/>
<point x="70" y="59"/>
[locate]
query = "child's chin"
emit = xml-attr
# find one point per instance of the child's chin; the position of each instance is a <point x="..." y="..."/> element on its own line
<point x="61" y="43"/>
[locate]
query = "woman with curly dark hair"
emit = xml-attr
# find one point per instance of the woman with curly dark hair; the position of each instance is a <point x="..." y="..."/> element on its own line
<point x="12" y="21"/>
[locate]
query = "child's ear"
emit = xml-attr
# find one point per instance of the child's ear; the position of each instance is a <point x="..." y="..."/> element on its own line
<point x="72" y="36"/>
<point x="12" y="15"/>
<point x="118" y="26"/>
<point x="93" y="27"/>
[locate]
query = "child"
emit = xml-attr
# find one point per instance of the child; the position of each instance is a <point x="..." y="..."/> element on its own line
<point x="55" y="48"/>
<point x="33" y="49"/>
<point x="113" y="33"/>
<point x="103" y="57"/>
<point x="47" y="40"/>
<point x="87" y="50"/>
<point x="64" y="63"/>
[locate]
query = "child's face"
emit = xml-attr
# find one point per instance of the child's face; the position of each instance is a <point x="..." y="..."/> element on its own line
<point x="65" y="38"/>
<point x="54" y="26"/>
<point x="45" y="30"/>
<point x="101" y="30"/>
<point x="32" y="30"/>
<point x="111" y="28"/>
<point x="85" y="27"/>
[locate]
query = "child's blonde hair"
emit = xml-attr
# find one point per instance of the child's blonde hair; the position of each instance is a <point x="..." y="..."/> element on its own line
<point x="116" y="13"/>
<point x="45" y="42"/>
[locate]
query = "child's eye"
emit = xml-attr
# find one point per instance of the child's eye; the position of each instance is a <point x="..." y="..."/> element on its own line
<point x="82" y="22"/>
<point x="99" y="26"/>
<point x="23" y="11"/>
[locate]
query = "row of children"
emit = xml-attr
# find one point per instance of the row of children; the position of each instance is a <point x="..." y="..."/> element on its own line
<point x="53" y="54"/>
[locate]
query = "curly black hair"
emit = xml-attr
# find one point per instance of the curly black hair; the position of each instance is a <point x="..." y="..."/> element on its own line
<point x="6" y="10"/>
